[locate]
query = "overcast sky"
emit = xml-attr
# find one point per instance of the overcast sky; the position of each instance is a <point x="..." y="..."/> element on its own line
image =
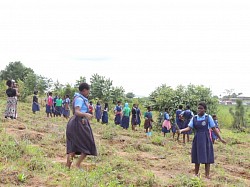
<point x="139" y="44"/>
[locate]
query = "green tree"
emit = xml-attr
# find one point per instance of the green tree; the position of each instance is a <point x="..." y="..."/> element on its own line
<point x="117" y="94"/>
<point x="238" y="114"/>
<point x="130" y="95"/>
<point x="78" y="82"/>
<point x="100" y="87"/>
<point x="15" y="70"/>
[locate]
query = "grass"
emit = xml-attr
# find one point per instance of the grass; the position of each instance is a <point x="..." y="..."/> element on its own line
<point x="32" y="153"/>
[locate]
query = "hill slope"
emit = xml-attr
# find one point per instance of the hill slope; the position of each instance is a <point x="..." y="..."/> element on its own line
<point x="32" y="153"/>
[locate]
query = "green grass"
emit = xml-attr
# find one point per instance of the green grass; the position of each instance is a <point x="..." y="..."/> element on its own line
<point x="35" y="156"/>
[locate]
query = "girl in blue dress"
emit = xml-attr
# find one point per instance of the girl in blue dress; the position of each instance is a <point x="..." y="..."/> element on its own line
<point x="213" y="135"/>
<point x="187" y="115"/>
<point x="105" y="118"/>
<point x="118" y="113"/>
<point x="202" y="147"/>
<point x="98" y="111"/>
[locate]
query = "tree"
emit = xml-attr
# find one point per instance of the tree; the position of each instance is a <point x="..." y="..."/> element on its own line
<point x="117" y="94"/>
<point x="238" y="115"/>
<point x="15" y="70"/>
<point x="100" y="87"/>
<point x="130" y="95"/>
<point x="81" y="80"/>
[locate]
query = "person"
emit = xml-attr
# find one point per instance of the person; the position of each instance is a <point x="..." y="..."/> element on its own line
<point x="166" y="125"/>
<point x="138" y="115"/>
<point x="202" y="146"/>
<point x="11" y="106"/>
<point x="213" y="135"/>
<point x="125" y="116"/>
<point x="15" y="86"/>
<point x="187" y="115"/>
<point x="66" y="108"/>
<point x="148" y="116"/>
<point x="105" y="117"/>
<point x="79" y="135"/>
<point x="179" y="120"/>
<point x="98" y="111"/>
<point x="118" y="113"/>
<point x="58" y="108"/>
<point x="133" y="118"/>
<point x="54" y="111"/>
<point x="91" y="107"/>
<point x="35" y="104"/>
<point x="49" y="105"/>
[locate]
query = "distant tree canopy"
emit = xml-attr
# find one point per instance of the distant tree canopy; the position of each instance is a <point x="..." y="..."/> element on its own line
<point x="15" y="70"/>
<point x="102" y="89"/>
<point x="130" y="95"/>
<point x="166" y="97"/>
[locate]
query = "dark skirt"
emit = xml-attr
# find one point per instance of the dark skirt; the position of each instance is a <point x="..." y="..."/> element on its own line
<point x="58" y="110"/>
<point x="49" y="109"/>
<point x="165" y="130"/>
<point x="118" y="119"/>
<point x="35" y="107"/>
<point x="125" y="122"/>
<point x="133" y="120"/>
<point x="66" y="113"/>
<point x="185" y="125"/>
<point x="202" y="149"/>
<point x="79" y="137"/>
<point x="105" y="118"/>
<point x="148" y="124"/>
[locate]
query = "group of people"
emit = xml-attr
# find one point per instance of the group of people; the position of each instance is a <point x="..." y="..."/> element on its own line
<point x="79" y="135"/>
<point x="182" y="120"/>
<point x="57" y="106"/>
<point x="206" y="131"/>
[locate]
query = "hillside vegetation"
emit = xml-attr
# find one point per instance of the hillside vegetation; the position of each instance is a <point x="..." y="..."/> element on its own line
<point x="33" y="153"/>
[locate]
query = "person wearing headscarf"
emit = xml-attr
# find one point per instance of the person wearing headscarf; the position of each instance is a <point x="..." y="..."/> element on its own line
<point x="125" y="116"/>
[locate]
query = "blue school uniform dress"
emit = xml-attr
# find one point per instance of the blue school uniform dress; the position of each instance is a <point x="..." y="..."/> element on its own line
<point x="178" y="121"/>
<point x="138" y="118"/>
<point x="98" y="112"/>
<point x="202" y="147"/>
<point x="117" y="120"/>
<point x="187" y="114"/>
<point x="214" y="137"/>
<point x="105" y="118"/>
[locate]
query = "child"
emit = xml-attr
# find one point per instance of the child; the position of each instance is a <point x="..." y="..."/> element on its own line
<point x="35" y="104"/>
<point x="187" y="115"/>
<point x="213" y="135"/>
<point x="118" y="113"/>
<point x="133" y="118"/>
<point x="125" y="116"/>
<point x="202" y="147"/>
<point x="148" y="121"/>
<point x="49" y="105"/>
<point x="105" y="117"/>
<point x="166" y="125"/>
<point x="91" y="107"/>
<point x="98" y="111"/>
<point x="178" y="120"/>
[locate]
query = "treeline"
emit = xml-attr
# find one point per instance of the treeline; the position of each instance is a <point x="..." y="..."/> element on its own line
<point x="102" y="89"/>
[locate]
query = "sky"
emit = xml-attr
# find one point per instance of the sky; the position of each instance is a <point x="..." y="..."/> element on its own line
<point x="138" y="44"/>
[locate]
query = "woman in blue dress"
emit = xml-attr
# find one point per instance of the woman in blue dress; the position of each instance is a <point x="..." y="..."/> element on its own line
<point x="187" y="115"/>
<point x="166" y="125"/>
<point x="98" y="111"/>
<point x="202" y="147"/>
<point x="35" y="104"/>
<point x="118" y="113"/>
<point x="138" y="115"/>
<point x="105" y="118"/>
